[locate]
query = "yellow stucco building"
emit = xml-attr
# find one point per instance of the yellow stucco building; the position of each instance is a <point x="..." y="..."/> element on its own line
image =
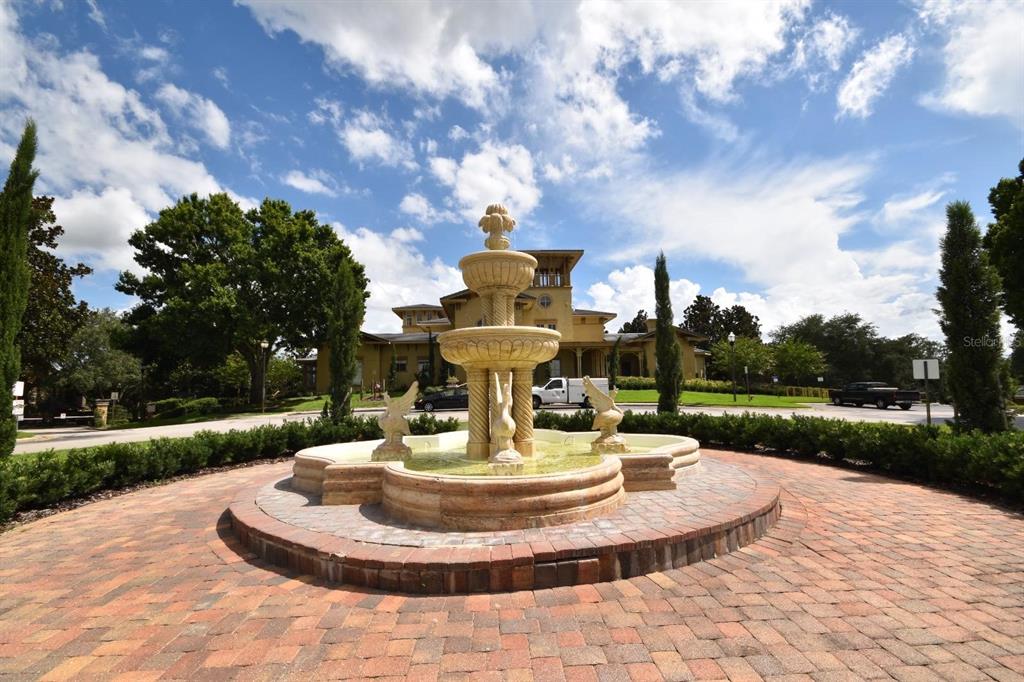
<point x="584" y="348"/>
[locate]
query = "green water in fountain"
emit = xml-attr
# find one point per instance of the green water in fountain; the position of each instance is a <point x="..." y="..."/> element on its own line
<point x="551" y="458"/>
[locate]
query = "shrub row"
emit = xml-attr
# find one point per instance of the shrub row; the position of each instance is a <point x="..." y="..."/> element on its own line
<point x="713" y="386"/>
<point x="179" y="407"/>
<point x="44" y="479"/>
<point x="991" y="462"/>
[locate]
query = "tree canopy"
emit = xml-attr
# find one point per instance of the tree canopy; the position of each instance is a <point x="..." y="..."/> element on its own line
<point x="746" y="352"/>
<point x="221" y="280"/>
<point x="1005" y="242"/>
<point x="707" y="318"/>
<point x="52" y="314"/>
<point x="95" y="364"/>
<point x="638" y="325"/>
<point x="15" y="218"/>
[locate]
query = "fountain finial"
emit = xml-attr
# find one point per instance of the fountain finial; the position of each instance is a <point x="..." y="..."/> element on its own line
<point x="496" y="222"/>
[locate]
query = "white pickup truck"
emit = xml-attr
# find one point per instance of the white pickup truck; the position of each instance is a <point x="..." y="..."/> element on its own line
<point x="563" y="390"/>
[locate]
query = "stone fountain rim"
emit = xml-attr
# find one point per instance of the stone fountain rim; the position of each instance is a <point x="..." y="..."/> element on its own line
<point x="493" y="333"/>
<point x="507" y="480"/>
<point x="497" y="254"/>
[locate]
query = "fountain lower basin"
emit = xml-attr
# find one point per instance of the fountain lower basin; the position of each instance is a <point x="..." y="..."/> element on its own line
<point x="342" y="473"/>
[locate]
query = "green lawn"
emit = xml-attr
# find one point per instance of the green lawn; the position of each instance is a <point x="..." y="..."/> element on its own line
<point x="723" y="399"/>
<point x="21" y="434"/>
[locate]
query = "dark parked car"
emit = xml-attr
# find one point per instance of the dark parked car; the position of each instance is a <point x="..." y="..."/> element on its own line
<point x="874" y="393"/>
<point x="446" y="399"/>
<point x="1018" y="397"/>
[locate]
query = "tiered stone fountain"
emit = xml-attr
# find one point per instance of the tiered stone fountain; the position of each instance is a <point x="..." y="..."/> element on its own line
<point x="374" y="514"/>
<point x="499" y="352"/>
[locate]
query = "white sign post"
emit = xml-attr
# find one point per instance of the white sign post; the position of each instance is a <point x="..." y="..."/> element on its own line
<point x="924" y="370"/>
<point x="17" y="391"/>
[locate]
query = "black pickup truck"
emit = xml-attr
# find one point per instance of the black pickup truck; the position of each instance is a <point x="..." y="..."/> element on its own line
<point x="874" y="393"/>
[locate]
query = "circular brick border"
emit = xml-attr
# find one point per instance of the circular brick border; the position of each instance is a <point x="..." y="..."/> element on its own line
<point x="503" y="567"/>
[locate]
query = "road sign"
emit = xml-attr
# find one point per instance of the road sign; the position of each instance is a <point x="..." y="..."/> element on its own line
<point x="926" y="369"/>
<point x="114" y="395"/>
<point x="18" y="390"/>
<point x="19" y="409"/>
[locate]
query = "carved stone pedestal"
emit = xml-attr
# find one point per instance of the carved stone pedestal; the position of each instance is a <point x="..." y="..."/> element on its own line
<point x="390" y="452"/>
<point x="609" y="445"/>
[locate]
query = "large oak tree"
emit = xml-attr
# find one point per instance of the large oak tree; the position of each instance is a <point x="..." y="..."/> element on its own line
<point x="53" y="314"/>
<point x="219" y="280"/>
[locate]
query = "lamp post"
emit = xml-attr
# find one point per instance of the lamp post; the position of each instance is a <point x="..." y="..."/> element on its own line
<point x="732" y="352"/>
<point x="264" y="345"/>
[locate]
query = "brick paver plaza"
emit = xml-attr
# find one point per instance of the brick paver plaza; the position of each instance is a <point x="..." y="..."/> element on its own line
<point x="862" y="577"/>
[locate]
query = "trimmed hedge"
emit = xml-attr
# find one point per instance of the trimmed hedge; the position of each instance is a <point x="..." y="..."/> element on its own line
<point x="714" y="386"/>
<point x="44" y="479"/>
<point x="990" y="462"/>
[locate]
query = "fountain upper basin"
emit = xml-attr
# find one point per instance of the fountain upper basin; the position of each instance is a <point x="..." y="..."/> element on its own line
<point x="499" y="347"/>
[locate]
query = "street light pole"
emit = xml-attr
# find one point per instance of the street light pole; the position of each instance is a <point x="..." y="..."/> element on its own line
<point x="263" y="375"/>
<point x="732" y="352"/>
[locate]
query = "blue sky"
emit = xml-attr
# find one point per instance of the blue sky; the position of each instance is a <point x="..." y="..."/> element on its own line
<point x="795" y="157"/>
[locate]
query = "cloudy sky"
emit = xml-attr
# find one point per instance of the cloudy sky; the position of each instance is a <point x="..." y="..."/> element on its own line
<point x="791" y="156"/>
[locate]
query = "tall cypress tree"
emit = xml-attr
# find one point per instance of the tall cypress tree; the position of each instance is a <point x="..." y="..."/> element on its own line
<point x="969" y="316"/>
<point x="15" y="215"/>
<point x="343" y="324"/>
<point x="669" y="372"/>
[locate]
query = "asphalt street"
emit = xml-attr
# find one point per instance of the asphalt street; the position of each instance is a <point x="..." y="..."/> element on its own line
<point x="78" y="437"/>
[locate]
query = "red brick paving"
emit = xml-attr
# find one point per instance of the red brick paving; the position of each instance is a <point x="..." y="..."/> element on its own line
<point x="862" y="578"/>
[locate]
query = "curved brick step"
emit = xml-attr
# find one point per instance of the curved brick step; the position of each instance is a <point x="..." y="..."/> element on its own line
<point x="717" y="508"/>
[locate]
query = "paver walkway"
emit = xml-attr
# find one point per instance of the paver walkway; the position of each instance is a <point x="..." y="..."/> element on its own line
<point x="862" y="578"/>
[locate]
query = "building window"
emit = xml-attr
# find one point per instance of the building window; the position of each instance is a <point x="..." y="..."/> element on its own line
<point x="547" y="277"/>
<point x="546" y="324"/>
<point x="544" y="301"/>
<point x="408" y="319"/>
<point x="421" y="364"/>
<point x="400" y="364"/>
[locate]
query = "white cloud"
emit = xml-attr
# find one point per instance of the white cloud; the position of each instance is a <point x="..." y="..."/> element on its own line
<point x="820" y="50"/>
<point x="399" y="273"/>
<point x="199" y="112"/>
<point x="99" y="225"/>
<point x="497" y="173"/>
<point x="221" y="74"/>
<point x="630" y="289"/>
<point x="106" y="157"/>
<point x="419" y="206"/>
<point x="982" y="55"/>
<point x="781" y="226"/>
<point x="871" y="75"/>
<point x="96" y="14"/>
<point x="899" y="209"/>
<point x="433" y="48"/>
<point x="316" y="182"/>
<point x="366" y="138"/>
<point x="457" y="133"/>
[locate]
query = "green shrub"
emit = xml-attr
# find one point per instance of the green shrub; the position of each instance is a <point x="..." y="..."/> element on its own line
<point x="201" y="406"/>
<point x="168" y="407"/>
<point x="988" y="462"/>
<point x="44" y="479"/>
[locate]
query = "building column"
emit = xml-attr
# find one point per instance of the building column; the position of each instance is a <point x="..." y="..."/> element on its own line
<point x="522" y="410"/>
<point x="579" y="363"/>
<point x="479" y="444"/>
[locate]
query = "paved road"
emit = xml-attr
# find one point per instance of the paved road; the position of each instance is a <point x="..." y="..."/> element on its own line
<point x="78" y="437"/>
<point x="863" y="577"/>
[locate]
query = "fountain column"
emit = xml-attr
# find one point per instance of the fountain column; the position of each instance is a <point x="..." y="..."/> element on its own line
<point x="497" y="275"/>
<point x="522" y="409"/>
<point x="479" y="444"/>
